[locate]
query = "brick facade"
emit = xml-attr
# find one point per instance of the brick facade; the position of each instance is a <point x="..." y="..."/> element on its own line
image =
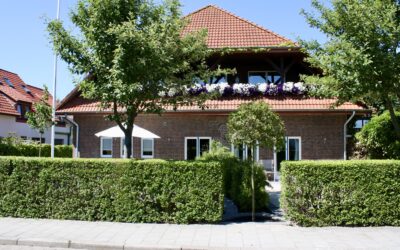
<point x="321" y="133"/>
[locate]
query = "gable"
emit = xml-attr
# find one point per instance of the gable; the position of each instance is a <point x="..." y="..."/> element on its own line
<point x="226" y="30"/>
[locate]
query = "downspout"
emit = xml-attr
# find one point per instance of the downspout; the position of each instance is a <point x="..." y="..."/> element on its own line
<point x="345" y="134"/>
<point x="77" y="134"/>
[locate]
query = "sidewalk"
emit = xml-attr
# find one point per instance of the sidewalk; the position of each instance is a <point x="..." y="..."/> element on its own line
<point x="270" y="235"/>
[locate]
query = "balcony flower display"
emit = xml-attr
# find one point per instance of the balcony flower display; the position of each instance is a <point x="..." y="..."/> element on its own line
<point x="241" y="89"/>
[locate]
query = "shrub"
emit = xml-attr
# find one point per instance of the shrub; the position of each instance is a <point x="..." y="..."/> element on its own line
<point x="341" y="193"/>
<point x="32" y="150"/>
<point x="379" y="139"/>
<point x="237" y="178"/>
<point x="112" y="190"/>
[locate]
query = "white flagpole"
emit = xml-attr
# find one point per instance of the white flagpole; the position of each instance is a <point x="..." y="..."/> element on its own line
<point x="53" y="126"/>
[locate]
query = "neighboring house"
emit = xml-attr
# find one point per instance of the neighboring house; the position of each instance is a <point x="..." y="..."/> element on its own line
<point x="16" y="99"/>
<point x="314" y="130"/>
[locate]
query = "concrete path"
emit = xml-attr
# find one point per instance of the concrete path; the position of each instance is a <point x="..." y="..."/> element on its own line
<point x="270" y="235"/>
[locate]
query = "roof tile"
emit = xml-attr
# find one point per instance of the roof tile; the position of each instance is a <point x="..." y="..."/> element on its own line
<point x="226" y="30"/>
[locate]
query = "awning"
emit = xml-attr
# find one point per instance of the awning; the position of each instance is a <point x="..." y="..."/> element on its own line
<point x="116" y="132"/>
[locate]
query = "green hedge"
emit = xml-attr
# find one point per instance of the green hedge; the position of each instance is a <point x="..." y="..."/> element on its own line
<point x="32" y="150"/>
<point x="237" y="178"/>
<point x="111" y="190"/>
<point x="341" y="193"/>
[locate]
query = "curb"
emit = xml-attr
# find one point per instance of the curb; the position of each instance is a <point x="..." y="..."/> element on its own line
<point x="40" y="242"/>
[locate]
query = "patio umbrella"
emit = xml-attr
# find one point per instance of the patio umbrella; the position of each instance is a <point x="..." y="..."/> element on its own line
<point x="116" y="132"/>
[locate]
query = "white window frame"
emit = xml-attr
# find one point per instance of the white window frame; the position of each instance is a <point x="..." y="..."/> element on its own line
<point x="101" y="147"/>
<point x="245" y="151"/>
<point x="287" y="146"/>
<point x="197" y="143"/>
<point x="152" y="148"/>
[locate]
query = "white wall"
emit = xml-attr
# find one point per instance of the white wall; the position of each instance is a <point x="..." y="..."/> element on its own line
<point x="9" y="125"/>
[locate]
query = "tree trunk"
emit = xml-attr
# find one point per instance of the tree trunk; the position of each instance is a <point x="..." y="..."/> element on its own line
<point x="253" y="194"/>
<point x="40" y="145"/>
<point x="393" y="118"/>
<point x="128" y="142"/>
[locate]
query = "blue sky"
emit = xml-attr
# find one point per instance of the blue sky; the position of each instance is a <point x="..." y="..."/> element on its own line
<point x="25" y="47"/>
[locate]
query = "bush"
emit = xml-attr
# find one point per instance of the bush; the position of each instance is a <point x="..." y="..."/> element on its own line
<point x="237" y="178"/>
<point x="111" y="190"/>
<point x="32" y="150"/>
<point x="341" y="193"/>
<point x="379" y="139"/>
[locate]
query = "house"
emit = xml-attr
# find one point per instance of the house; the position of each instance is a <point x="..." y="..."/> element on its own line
<point x="314" y="130"/>
<point x="16" y="99"/>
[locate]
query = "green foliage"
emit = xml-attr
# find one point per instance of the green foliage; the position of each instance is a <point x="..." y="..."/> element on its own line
<point x="237" y="185"/>
<point x="132" y="51"/>
<point x="40" y="118"/>
<point x="32" y="150"/>
<point x="154" y="191"/>
<point x="361" y="59"/>
<point x="255" y="124"/>
<point x="377" y="138"/>
<point x="341" y="193"/>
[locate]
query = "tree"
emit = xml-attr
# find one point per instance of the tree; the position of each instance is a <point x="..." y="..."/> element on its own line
<point x="130" y="51"/>
<point x="255" y="125"/>
<point x="41" y="116"/>
<point x="377" y="138"/>
<point x="361" y="59"/>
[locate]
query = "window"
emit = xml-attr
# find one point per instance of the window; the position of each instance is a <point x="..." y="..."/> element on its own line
<point x="58" y="141"/>
<point x="19" y="109"/>
<point x="293" y="148"/>
<point x="106" y="144"/>
<point x="359" y="124"/>
<point x="292" y="151"/>
<point x="8" y="82"/>
<point x="196" y="146"/>
<point x="244" y="152"/>
<point x="23" y="109"/>
<point x="26" y="89"/>
<point x="147" y="148"/>
<point x="38" y="139"/>
<point x="218" y="79"/>
<point x="122" y="147"/>
<point x="274" y="77"/>
<point x="256" y="77"/>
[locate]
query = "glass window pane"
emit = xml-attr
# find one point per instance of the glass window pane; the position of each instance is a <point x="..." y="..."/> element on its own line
<point x="274" y="77"/>
<point x="294" y="150"/>
<point x="204" y="146"/>
<point x="107" y="146"/>
<point x="219" y="79"/>
<point x="257" y="77"/>
<point x="191" y="149"/>
<point x="147" y="145"/>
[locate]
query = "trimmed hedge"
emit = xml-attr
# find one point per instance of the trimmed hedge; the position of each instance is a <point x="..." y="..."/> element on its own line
<point x="342" y="193"/>
<point x="32" y="150"/>
<point x="154" y="191"/>
<point x="237" y="179"/>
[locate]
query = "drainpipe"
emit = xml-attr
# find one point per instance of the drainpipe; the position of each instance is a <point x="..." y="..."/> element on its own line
<point x="77" y="133"/>
<point x="345" y="134"/>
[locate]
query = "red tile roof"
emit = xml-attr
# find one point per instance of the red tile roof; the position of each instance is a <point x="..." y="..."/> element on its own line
<point x="226" y="30"/>
<point x="10" y="95"/>
<point x="78" y="104"/>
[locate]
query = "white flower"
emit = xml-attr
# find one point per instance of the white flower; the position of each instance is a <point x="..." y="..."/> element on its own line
<point x="300" y="86"/>
<point x="221" y="87"/>
<point x="161" y="93"/>
<point x="288" y="86"/>
<point x="172" y="92"/>
<point x="262" y="87"/>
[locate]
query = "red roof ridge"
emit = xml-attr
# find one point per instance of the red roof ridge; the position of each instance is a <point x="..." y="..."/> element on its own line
<point x="242" y="19"/>
<point x="31" y="86"/>
<point x="9" y="72"/>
